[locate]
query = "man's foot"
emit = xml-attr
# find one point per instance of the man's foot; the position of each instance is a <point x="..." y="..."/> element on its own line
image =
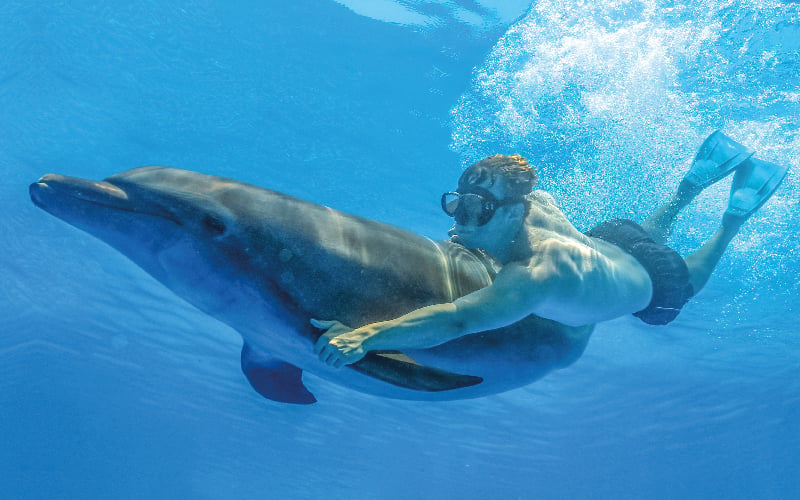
<point x="718" y="156"/>
<point x="754" y="183"/>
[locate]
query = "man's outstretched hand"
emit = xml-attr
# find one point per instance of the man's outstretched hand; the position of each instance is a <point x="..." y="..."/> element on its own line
<point x="340" y="345"/>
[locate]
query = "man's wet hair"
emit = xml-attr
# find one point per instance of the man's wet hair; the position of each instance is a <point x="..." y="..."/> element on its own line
<point x="520" y="177"/>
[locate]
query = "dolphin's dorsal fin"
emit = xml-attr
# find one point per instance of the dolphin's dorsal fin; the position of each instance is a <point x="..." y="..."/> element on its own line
<point x="275" y="379"/>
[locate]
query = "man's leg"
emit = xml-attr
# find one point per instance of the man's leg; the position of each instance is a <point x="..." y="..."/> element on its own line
<point x="702" y="262"/>
<point x="717" y="157"/>
<point x="754" y="183"/>
<point x="659" y="225"/>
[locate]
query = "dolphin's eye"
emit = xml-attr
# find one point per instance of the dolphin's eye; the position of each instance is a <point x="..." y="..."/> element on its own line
<point x="214" y="225"/>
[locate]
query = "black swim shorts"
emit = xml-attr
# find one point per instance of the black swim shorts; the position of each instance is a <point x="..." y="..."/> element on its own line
<point x="667" y="269"/>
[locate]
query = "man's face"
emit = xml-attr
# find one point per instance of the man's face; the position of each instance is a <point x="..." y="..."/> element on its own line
<point x="489" y="235"/>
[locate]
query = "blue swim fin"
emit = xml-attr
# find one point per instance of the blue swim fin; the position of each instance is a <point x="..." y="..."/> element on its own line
<point x="275" y="379"/>
<point x="752" y="186"/>
<point x="718" y="156"/>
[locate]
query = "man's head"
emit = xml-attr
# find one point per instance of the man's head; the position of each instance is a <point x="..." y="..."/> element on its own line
<point x="513" y="170"/>
<point x="490" y="205"/>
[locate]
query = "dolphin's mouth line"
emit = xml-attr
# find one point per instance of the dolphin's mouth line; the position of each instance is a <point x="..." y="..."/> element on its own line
<point x="139" y="212"/>
<point x="133" y="211"/>
<point x="103" y="194"/>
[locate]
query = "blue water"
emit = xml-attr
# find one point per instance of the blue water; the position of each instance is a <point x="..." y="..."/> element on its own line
<point x="111" y="387"/>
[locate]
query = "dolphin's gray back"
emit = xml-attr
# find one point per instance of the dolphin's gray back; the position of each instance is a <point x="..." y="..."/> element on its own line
<point x="321" y="261"/>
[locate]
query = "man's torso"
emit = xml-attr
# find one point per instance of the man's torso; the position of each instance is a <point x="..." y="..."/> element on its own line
<point x="613" y="283"/>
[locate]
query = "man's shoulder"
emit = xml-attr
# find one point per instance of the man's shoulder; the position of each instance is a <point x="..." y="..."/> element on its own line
<point x="543" y="210"/>
<point x="542" y="197"/>
<point x="546" y="224"/>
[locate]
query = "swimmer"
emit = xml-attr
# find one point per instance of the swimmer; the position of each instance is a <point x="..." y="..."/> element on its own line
<point x="552" y="270"/>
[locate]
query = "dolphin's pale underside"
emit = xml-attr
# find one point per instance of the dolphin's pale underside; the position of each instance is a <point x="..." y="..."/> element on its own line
<point x="265" y="263"/>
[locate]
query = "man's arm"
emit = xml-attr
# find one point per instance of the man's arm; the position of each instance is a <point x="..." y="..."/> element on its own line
<point x="513" y="295"/>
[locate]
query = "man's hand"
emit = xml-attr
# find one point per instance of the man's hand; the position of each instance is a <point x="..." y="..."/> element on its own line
<point x="339" y="345"/>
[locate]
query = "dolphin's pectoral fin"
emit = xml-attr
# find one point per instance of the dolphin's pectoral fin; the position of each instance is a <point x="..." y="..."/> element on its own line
<point x="275" y="379"/>
<point x="280" y="381"/>
<point x="398" y="369"/>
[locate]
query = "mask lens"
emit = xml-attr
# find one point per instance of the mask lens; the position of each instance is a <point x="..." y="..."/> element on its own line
<point x="467" y="208"/>
<point x="450" y="202"/>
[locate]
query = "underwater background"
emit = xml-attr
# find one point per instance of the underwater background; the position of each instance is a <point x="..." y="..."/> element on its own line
<point x="112" y="387"/>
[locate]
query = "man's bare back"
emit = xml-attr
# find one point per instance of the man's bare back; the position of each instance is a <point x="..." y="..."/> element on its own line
<point x="613" y="283"/>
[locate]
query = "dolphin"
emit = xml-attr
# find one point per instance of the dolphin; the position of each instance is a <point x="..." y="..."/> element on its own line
<point x="265" y="263"/>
